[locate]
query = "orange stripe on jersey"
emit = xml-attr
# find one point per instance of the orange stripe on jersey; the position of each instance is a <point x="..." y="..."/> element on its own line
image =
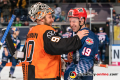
<point x="25" y="70"/>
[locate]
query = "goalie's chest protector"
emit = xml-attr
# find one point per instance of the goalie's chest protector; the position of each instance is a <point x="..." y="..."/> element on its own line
<point x="43" y="64"/>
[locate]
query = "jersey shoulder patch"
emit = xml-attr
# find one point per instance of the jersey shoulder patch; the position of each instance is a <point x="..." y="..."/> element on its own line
<point x="50" y="33"/>
<point x="89" y="41"/>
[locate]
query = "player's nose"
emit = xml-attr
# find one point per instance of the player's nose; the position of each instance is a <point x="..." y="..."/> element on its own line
<point x="52" y="20"/>
<point x="71" y="24"/>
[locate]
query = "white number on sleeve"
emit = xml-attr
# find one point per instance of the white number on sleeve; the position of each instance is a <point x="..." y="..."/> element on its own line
<point x="55" y="39"/>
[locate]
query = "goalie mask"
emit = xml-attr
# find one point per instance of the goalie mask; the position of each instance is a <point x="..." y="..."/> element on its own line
<point x="38" y="11"/>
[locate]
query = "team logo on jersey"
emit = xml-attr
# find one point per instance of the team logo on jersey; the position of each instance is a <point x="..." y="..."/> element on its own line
<point x="15" y="45"/>
<point x="72" y="74"/>
<point x="89" y="41"/>
<point x="50" y="34"/>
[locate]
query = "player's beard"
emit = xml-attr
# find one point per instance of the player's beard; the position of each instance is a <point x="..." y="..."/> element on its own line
<point x="48" y="23"/>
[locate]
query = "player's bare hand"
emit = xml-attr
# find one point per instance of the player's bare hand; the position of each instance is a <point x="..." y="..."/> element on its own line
<point x="82" y="33"/>
<point x="6" y="53"/>
<point x="69" y="57"/>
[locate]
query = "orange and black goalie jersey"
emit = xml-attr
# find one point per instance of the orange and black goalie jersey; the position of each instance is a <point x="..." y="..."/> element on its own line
<point x="42" y="52"/>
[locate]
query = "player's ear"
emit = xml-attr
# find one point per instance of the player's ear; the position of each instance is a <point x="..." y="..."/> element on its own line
<point x="83" y="19"/>
<point x="43" y="20"/>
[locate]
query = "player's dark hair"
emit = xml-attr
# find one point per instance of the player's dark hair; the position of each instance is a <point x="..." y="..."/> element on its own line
<point x="56" y="5"/>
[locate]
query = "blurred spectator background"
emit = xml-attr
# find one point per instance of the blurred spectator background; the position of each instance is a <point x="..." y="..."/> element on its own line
<point x="21" y="5"/>
<point x="57" y="10"/>
<point x="63" y="17"/>
<point x="20" y="9"/>
<point x="26" y="23"/>
<point x="0" y="8"/>
<point x="17" y="23"/>
<point x="5" y="5"/>
<point x="13" y="6"/>
<point x="72" y="1"/>
<point x="2" y="20"/>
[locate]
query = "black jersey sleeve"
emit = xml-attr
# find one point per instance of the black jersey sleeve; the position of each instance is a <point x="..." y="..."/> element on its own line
<point x="55" y="45"/>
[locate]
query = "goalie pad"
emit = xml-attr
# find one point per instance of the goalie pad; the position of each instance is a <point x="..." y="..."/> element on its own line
<point x="9" y="43"/>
